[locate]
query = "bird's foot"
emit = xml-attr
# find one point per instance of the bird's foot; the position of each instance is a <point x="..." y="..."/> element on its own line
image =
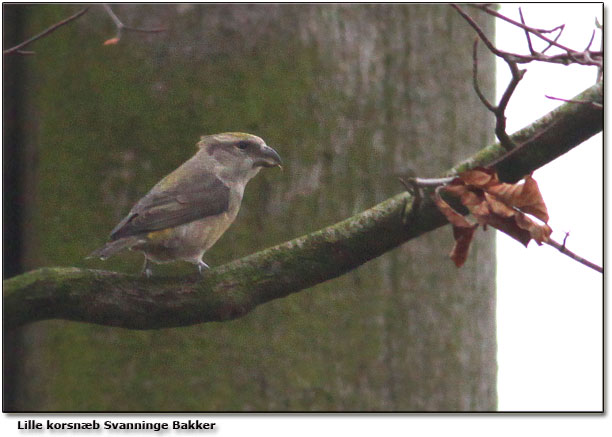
<point x="147" y="269"/>
<point x="202" y="266"/>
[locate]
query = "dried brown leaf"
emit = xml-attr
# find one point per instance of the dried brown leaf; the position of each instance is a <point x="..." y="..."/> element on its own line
<point x="491" y="212"/>
<point x="509" y="227"/>
<point x="471" y="198"/>
<point x="451" y="215"/>
<point x="525" y="196"/>
<point x="540" y="233"/>
<point x="111" y="41"/>
<point x="493" y="203"/>
<point x="479" y="177"/>
<point x="456" y="187"/>
<point x="481" y="212"/>
<point x="463" y="230"/>
<point x="498" y="207"/>
<point x="463" y="239"/>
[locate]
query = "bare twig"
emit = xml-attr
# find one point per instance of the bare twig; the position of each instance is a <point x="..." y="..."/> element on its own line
<point x="590" y="42"/>
<point x="565" y="238"/>
<point x="561" y="29"/>
<point x="481" y="96"/>
<point x="531" y="50"/>
<point x="479" y="31"/>
<point x="570" y="56"/>
<point x="432" y="182"/>
<point x="23" y="52"/>
<point x="537" y="32"/>
<point x="564" y="250"/>
<point x="120" y="26"/>
<point x="500" y="110"/>
<point x="582" y="102"/>
<point x="585" y="57"/>
<point x="410" y="211"/>
<point x="17" y="49"/>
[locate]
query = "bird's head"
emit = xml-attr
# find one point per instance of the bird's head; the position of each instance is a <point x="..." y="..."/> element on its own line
<point x="239" y="153"/>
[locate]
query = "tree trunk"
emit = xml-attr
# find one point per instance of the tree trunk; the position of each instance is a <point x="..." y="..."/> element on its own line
<point x="13" y="182"/>
<point x="351" y="96"/>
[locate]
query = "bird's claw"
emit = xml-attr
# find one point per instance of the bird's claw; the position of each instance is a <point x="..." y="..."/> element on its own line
<point x="202" y="266"/>
<point x="147" y="271"/>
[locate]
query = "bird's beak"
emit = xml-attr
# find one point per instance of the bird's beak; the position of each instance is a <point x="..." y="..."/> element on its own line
<point x="268" y="158"/>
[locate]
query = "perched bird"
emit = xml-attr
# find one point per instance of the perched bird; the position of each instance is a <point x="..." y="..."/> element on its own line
<point x="186" y="212"/>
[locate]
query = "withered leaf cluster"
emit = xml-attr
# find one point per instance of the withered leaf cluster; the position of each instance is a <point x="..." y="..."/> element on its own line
<point x="506" y="207"/>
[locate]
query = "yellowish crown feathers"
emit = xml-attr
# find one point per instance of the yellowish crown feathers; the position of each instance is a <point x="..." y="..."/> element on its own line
<point x="224" y="138"/>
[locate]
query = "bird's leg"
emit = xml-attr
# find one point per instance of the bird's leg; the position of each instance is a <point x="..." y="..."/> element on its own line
<point x="146" y="268"/>
<point x="201" y="266"/>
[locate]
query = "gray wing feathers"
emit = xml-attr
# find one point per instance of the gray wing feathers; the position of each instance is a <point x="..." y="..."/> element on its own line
<point x="112" y="247"/>
<point x="201" y="196"/>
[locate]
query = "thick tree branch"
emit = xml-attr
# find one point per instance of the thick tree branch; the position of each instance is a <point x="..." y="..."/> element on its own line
<point x="236" y="288"/>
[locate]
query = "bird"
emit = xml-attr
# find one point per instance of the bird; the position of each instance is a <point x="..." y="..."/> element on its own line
<point x="186" y="212"/>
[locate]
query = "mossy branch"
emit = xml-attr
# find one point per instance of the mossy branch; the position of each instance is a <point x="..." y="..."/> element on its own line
<point x="236" y="288"/>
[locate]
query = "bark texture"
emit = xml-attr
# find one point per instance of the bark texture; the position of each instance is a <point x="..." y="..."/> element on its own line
<point x="351" y="96"/>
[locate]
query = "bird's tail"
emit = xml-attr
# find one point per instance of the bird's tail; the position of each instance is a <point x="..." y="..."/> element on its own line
<point x="112" y="247"/>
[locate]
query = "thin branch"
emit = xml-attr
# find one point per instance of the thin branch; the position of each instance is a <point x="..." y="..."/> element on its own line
<point x="500" y="110"/>
<point x="18" y="47"/>
<point x="586" y="57"/>
<point x="114" y="17"/>
<point x="537" y="32"/>
<point x="561" y="29"/>
<point x="479" y="93"/>
<point x="590" y="42"/>
<point x="531" y="50"/>
<point x="564" y="250"/>
<point x="433" y="182"/>
<point x="581" y="102"/>
<point x="500" y="113"/>
<point x="235" y="289"/>
<point x="120" y="26"/>
<point x="479" y="31"/>
<point x="411" y="209"/>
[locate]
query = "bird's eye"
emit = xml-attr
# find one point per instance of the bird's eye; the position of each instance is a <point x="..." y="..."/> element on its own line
<point x="242" y="145"/>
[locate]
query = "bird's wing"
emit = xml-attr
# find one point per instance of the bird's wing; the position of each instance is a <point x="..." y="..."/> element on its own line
<point x="201" y="196"/>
